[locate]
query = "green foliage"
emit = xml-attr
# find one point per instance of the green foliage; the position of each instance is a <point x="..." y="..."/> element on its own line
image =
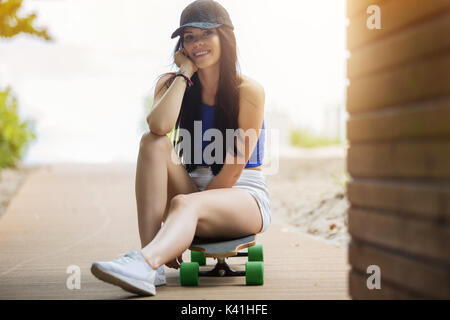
<point x="170" y="134"/>
<point x="340" y="178"/>
<point x="14" y="134"/>
<point x="11" y="24"/>
<point x="306" y="139"/>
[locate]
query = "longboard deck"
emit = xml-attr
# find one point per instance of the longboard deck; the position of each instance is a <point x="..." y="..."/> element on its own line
<point x="222" y="248"/>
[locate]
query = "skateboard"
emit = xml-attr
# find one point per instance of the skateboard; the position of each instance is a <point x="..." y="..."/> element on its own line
<point x="221" y="249"/>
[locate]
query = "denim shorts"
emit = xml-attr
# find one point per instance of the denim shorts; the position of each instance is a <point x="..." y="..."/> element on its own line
<point x="254" y="181"/>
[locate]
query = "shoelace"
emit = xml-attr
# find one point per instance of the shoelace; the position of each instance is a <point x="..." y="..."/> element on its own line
<point x="131" y="256"/>
<point x="127" y="257"/>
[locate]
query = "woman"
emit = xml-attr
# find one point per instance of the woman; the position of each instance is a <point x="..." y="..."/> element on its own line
<point x="177" y="200"/>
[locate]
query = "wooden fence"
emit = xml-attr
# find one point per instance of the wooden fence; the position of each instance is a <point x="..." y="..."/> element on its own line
<point x="398" y="102"/>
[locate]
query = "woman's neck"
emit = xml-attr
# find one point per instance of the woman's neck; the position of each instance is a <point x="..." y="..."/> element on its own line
<point x="209" y="78"/>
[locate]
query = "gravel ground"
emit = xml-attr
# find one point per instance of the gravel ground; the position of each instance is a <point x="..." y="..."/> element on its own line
<point x="309" y="194"/>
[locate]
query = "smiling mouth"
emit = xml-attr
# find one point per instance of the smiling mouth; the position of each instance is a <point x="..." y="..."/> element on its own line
<point x="202" y="55"/>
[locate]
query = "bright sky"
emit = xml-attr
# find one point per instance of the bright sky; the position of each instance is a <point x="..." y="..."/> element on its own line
<point x="87" y="88"/>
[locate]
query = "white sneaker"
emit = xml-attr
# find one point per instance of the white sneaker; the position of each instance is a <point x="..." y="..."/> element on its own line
<point x="130" y="272"/>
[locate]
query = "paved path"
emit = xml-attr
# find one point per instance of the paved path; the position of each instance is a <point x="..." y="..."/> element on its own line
<point x="67" y="215"/>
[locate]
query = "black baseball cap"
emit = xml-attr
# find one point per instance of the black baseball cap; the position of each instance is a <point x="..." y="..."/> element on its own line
<point x="204" y="14"/>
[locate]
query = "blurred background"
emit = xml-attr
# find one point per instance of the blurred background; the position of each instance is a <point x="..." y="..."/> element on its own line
<point x="84" y="92"/>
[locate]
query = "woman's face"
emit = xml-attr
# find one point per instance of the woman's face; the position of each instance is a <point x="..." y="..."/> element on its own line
<point x="196" y="40"/>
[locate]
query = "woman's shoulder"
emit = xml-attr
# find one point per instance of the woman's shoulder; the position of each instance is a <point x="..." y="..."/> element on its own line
<point x="251" y="90"/>
<point x="247" y="82"/>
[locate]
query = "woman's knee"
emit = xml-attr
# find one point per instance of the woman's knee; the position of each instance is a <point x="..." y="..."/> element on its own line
<point x="189" y="206"/>
<point x="183" y="204"/>
<point x="152" y="143"/>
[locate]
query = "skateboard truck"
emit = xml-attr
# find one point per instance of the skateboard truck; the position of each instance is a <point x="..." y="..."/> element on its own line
<point x="221" y="269"/>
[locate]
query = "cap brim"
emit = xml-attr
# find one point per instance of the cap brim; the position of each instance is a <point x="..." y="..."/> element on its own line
<point x="201" y="25"/>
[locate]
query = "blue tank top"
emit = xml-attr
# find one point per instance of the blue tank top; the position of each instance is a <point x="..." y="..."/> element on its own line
<point x="257" y="156"/>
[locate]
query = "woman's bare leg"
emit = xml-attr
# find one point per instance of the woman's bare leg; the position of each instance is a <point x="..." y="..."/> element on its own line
<point x="225" y="212"/>
<point x="159" y="177"/>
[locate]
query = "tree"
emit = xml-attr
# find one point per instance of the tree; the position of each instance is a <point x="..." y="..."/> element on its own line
<point x="11" y="24"/>
<point x="15" y="134"/>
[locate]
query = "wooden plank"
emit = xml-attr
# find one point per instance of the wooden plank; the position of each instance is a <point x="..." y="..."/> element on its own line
<point x="392" y="230"/>
<point x="413" y="275"/>
<point x="358" y="7"/>
<point x="419" y="120"/>
<point x="395" y="15"/>
<point x="429" y="201"/>
<point x="419" y="159"/>
<point x="405" y="46"/>
<point x="422" y="80"/>
<point x="358" y="290"/>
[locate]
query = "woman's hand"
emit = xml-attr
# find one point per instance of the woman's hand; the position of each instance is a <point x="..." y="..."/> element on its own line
<point x="174" y="263"/>
<point x="185" y="63"/>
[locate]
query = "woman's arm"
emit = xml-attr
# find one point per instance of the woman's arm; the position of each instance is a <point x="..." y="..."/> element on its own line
<point x="251" y="116"/>
<point x="167" y="104"/>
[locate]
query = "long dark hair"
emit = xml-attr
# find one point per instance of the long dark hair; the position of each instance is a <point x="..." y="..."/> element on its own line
<point x="227" y="107"/>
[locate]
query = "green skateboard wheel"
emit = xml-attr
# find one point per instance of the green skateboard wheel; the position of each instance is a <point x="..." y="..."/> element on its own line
<point x="189" y="273"/>
<point x="255" y="253"/>
<point x="198" y="256"/>
<point x="254" y="273"/>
